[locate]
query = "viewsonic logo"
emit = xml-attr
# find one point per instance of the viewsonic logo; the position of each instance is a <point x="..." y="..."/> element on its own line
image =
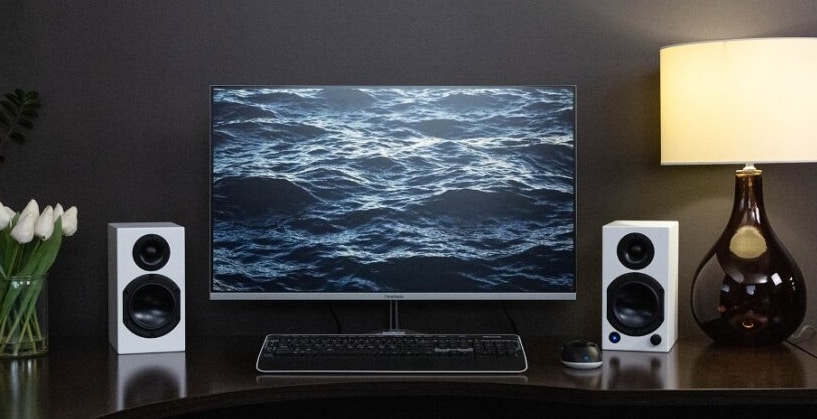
<point x="393" y="296"/>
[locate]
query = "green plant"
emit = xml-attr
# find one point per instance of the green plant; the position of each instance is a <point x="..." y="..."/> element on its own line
<point x="29" y="243"/>
<point x="19" y="109"/>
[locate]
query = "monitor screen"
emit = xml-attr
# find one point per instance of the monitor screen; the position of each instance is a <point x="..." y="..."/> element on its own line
<point x="393" y="192"/>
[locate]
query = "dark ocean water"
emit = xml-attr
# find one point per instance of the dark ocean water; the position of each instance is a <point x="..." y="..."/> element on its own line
<point x="403" y="189"/>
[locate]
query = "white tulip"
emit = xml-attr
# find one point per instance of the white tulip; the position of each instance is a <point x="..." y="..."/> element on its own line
<point x="44" y="226"/>
<point x="23" y="232"/>
<point x="31" y="208"/>
<point x="69" y="221"/>
<point x="57" y="211"/>
<point x="5" y="217"/>
<point x="10" y="213"/>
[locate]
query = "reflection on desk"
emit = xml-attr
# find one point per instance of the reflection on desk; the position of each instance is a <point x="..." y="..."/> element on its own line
<point x="625" y="370"/>
<point x="24" y="387"/>
<point x="84" y="378"/>
<point x="628" y="370"/>
<point x="145" y="378"/>
<point x="704" y="366"/>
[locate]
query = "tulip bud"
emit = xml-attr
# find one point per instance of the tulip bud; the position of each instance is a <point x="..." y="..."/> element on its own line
<point x="44" y="226"/>
<point x="58" y="211"/>
<point x="5" y="217"/>
<point x="69" y="221"/>
<point x="31" y="208"/>
<point x="23" y="232"/>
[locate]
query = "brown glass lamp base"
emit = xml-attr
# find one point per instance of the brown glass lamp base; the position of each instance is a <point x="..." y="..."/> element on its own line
<point x="748" y="290"/>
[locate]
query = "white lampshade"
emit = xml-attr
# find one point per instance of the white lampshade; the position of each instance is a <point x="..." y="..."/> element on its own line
<point x="739" y="101"/>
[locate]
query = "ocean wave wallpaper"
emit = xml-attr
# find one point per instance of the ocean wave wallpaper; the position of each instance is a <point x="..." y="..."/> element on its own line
<point x="455" y="192"/>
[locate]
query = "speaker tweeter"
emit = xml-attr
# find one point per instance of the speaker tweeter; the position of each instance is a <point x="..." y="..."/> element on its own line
<point x="640" y="285"/>
<point x="146" y="287"/>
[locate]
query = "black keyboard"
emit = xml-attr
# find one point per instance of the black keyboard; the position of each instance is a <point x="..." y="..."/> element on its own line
<point x="392" y="353"/>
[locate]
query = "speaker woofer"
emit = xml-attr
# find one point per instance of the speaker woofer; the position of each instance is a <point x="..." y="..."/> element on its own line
<point x="152" y="305"/>
<point x="151" y="252"/>
<point x="635" y="304"/>
<point x="635" y="251"/>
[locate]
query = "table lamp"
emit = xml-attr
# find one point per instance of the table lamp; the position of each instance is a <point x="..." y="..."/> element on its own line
<point x="743" y="101"/>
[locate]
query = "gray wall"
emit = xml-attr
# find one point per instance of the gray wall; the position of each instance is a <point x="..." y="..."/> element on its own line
<point x="123" y="132"/>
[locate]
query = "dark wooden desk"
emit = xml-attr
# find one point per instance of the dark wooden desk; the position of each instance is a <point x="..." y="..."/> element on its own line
<point x="215" y="377"/>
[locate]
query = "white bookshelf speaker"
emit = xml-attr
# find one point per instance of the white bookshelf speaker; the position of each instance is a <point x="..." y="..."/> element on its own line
<point x="639" y="285"/>
<point x="146" y="287"/>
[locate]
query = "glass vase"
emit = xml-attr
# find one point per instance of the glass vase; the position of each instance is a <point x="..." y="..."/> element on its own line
<point x="748" y="291"/>
<point x="23" y="316"/>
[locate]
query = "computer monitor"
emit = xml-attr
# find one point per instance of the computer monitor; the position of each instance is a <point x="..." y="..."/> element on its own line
<point x="393" y="193"/>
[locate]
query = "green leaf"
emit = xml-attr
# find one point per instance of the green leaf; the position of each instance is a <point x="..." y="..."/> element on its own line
<point x="28" y="95"/>
<point x="20" y="111"/>
<point x="13" y="98"/>
<point x="6" y="250"/>
<point x="45" y="255"/>
<point x="8" y="301"/>
<point x="10" y="107"/>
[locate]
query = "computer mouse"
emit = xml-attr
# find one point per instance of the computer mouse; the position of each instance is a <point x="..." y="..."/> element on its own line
<point x="582" y="354"/>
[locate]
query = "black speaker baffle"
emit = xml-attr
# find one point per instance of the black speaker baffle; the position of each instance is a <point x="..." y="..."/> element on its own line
<point x="151" y="305"/>
<point x="151" y="252"/>
<point x="635" y="304"/>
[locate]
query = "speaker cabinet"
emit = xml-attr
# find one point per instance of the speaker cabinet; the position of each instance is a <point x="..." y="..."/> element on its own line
<point x="146" y="287"/>
<point x="640" y="285"/>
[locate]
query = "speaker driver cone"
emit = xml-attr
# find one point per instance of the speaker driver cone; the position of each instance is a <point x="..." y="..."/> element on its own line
<point x="635" y="251"/>
<point x="635" y="304"/>
<point x="152" y="305"/>
<point x="151" y="252"/>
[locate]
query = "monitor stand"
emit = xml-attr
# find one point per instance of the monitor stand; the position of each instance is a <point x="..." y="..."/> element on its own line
<point x="394" y="322"/>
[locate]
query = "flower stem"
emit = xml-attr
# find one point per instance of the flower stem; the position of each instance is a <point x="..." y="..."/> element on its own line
<point x="20" y="331"/>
